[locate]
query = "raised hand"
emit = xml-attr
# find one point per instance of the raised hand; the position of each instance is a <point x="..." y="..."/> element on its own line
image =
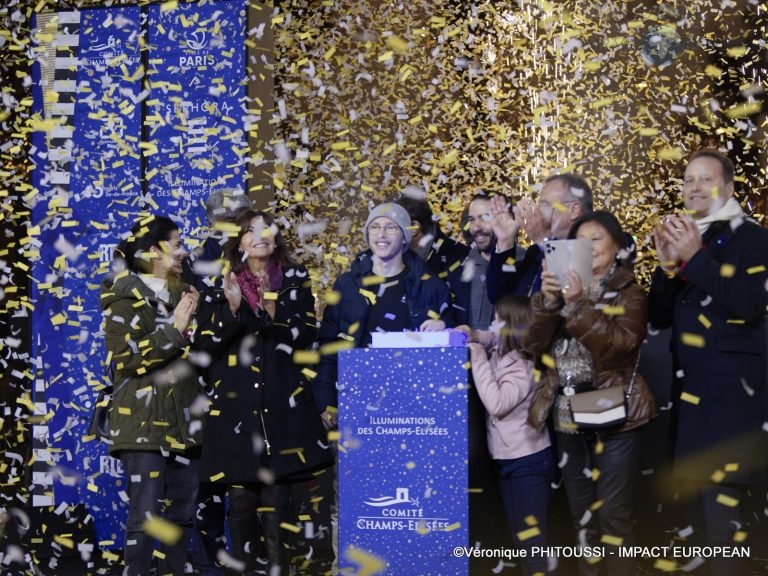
<point x="468" y="331"/>
<point x="687" y="238"/>
<point x="551" y="288"/>
<point x="572" y="290"/>
<point x="184" y="311"/>
<point x="505" y="226"/>
<point x="677" y="239"/>
<point x="536" y="228"/>
<point x="232" y="292"/>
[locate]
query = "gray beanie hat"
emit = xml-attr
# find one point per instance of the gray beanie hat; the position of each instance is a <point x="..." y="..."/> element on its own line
<point x="397" y="214"/>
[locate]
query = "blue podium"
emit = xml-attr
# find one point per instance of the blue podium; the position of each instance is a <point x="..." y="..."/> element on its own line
<point x="403" y="472"/>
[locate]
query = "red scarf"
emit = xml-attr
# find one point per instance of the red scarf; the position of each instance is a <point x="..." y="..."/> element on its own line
<point x="250" y="285"/>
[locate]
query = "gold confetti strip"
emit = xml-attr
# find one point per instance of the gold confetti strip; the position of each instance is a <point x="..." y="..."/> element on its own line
<point x="524" y="535"/>
<point x="612" y="540"/>
<point x="663" y="565"/>
<point x="166" y="532"/>
<point x="614" y="310"/>
<point x="690" y="398"/>
<point x="693" y="340"/>
<point x="740" y="536"/>
<point x="367" y="563"/>
<point x="290" y="527"/>
<point x="726" y="500"/>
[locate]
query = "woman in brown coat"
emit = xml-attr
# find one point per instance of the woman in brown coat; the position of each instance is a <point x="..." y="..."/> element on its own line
<point x="590" y="337"/>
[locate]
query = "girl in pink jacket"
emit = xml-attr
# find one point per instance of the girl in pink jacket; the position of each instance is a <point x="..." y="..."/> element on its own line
<point x="503" y="375"/>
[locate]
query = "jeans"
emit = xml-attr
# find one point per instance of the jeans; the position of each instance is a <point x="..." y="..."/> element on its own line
<point x="525" y="488"/>
<point x="613" y="460"/>
<point x="158" y="486"/>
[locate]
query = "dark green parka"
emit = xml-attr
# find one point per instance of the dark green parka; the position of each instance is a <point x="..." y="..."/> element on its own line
<point x="154" y="384"/>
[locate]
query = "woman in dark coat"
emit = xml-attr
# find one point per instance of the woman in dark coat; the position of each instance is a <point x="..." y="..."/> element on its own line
<point x="590" y="336"/>
<point x="263" y="431"/>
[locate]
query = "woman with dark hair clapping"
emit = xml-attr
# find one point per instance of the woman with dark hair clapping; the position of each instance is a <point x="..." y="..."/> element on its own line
<point x="263" y="431"/>
<point x="147" y="315"/>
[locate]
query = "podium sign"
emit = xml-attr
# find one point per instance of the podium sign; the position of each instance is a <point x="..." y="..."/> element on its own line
<point x="403" y="503"/>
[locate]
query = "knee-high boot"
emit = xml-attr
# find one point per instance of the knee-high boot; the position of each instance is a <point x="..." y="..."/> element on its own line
<point x="244" y="537"/>
<point x="276" y="498"/>
<point x="243" y="522"/>
<point x="277" y="561"/>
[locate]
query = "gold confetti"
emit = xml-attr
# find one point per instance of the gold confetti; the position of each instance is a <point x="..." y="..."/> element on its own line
<point x="611" y="540"/>
<point x="368" y="563"/>
<point x="306" y="356"/>
<point x="671" y="153"/>
<point x="726" y="500"/>
<point x="290" y="527"/>
<point x="744" y="110"/>
<point x="166" y="532"/>
<point x="688" y="397"/>
<point x="614" y="310"/>
<point x="397" y="44"/>
<point x="532" y="532"/>
<point x="693" y="340"/>
<point x="663" y="565"/>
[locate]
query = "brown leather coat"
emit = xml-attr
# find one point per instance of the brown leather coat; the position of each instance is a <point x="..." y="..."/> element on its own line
<point x="613" y="330"/>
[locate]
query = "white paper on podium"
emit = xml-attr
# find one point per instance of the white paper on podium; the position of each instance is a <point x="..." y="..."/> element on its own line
<point x="439" y="339"/>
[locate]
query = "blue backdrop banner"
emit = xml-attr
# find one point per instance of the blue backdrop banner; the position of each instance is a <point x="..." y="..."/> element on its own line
<point x="87" y="176"/>
<point x="195" y="139"/>
<point x="403" y="473"/>
<point x="124" y="125"/>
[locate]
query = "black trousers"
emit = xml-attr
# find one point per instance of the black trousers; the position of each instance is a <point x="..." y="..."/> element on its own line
<point x="599" y="474"/>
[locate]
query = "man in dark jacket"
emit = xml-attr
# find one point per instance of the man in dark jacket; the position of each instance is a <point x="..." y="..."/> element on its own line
<point x="388" y="288"/>
<point x="710" y="287"/>
<point x="564" y="198"/>
<point x="442" y="254"/>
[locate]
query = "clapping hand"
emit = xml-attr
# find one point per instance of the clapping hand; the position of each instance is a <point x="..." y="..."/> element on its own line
<point x="505" y="225"/>
<point x="677" y="239"/>
<point x="532" y="220"/>
<point x="185" y="310"/>
<point x="232" y="292"/>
